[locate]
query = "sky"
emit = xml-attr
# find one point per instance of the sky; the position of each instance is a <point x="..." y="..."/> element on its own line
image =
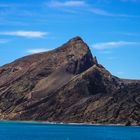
<point x="111" y="28"/>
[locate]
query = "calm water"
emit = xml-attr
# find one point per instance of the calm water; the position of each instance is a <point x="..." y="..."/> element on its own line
<point x="38" y="131"/>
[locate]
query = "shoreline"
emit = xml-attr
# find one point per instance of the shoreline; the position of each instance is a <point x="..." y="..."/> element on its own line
<point x="63" y="123"/>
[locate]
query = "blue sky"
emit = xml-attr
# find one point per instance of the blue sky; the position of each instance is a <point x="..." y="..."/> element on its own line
<point x="111" y="28"/>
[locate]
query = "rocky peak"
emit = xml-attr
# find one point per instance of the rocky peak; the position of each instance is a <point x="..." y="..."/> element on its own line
<point x="75" y="46"/>
<point x="78" y="43"/>
<point x="75" y="39"/>
<point x="78" y="54"/>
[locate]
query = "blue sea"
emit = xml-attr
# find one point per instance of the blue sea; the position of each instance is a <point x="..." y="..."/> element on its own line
<point x="43" y="131"/>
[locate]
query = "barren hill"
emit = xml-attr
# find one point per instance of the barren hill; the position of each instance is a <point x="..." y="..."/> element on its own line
<point x="67" y="85"/>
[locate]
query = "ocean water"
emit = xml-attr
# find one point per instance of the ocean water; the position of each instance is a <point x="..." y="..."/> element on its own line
<point x="40" y="131"/>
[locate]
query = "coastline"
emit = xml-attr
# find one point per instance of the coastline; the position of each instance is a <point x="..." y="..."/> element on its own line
<point x="63" y="123"/>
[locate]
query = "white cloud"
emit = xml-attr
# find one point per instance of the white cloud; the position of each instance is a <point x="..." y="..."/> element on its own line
<point x="66" y="4"/>
<point x="27" y="34"/>
<point x="33" y="51"/>
<point x="102" y="12"/>
<point x="69" y="6"/>
<point x="109" y="45"/>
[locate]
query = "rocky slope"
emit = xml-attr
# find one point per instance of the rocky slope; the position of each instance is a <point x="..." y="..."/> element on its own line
<point x="67" y="85"/>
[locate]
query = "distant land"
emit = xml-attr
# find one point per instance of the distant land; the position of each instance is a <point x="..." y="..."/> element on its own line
<point x="67" y="85"/>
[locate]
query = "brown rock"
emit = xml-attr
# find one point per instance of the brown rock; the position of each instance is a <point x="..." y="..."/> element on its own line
<point x="67" y="85"/>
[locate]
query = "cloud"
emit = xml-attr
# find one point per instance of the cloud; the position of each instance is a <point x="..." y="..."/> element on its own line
<point x="110" y="45"/>
<point x="33" y="51"/>
<point x="102" y="12"/>
<point x="66" y="4"/>
<point x="3" y="41"/>
<point x="27" y="34"/>
<point x="70" y="5"/>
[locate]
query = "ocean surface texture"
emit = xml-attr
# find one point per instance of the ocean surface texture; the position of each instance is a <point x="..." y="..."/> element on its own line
<point x="42" y="131"/>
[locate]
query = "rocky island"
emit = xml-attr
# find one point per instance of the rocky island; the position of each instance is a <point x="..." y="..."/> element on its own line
<point x="67" y="85"/>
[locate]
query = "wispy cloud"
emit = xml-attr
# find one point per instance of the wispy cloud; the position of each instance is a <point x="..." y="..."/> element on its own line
<point x="33" y="51"/>
<point x="27" y="34"/>
<point x="103" y="12"/>
<point x="3" y="41"/>
<point x="66" y="4"/>
<point x="70" y="6"/>
<point x="16" y="5"/>
<point x="110" y="45"/>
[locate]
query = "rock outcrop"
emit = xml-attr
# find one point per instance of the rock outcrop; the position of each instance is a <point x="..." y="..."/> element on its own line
<point x="67" y="84"/>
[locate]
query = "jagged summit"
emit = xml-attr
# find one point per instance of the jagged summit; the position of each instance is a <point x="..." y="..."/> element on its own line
<point x="67" y="85"/>
<point x="76" y="38"/>
<point x="75" y="46"/>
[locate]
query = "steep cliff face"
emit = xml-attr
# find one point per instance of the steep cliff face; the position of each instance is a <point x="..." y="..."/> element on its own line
<point x="67" y="85"/>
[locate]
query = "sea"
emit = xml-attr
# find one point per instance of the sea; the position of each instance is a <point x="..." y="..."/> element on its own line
<point x="47" y="131"/>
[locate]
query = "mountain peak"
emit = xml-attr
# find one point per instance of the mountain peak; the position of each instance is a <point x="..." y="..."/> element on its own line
<point x="76" y="38"/>
<point x="76" y="47"/>
<point x="78" y="52"/>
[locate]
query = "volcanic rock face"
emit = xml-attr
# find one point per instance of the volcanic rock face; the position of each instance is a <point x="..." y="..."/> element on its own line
<point x="67" y="85"/>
